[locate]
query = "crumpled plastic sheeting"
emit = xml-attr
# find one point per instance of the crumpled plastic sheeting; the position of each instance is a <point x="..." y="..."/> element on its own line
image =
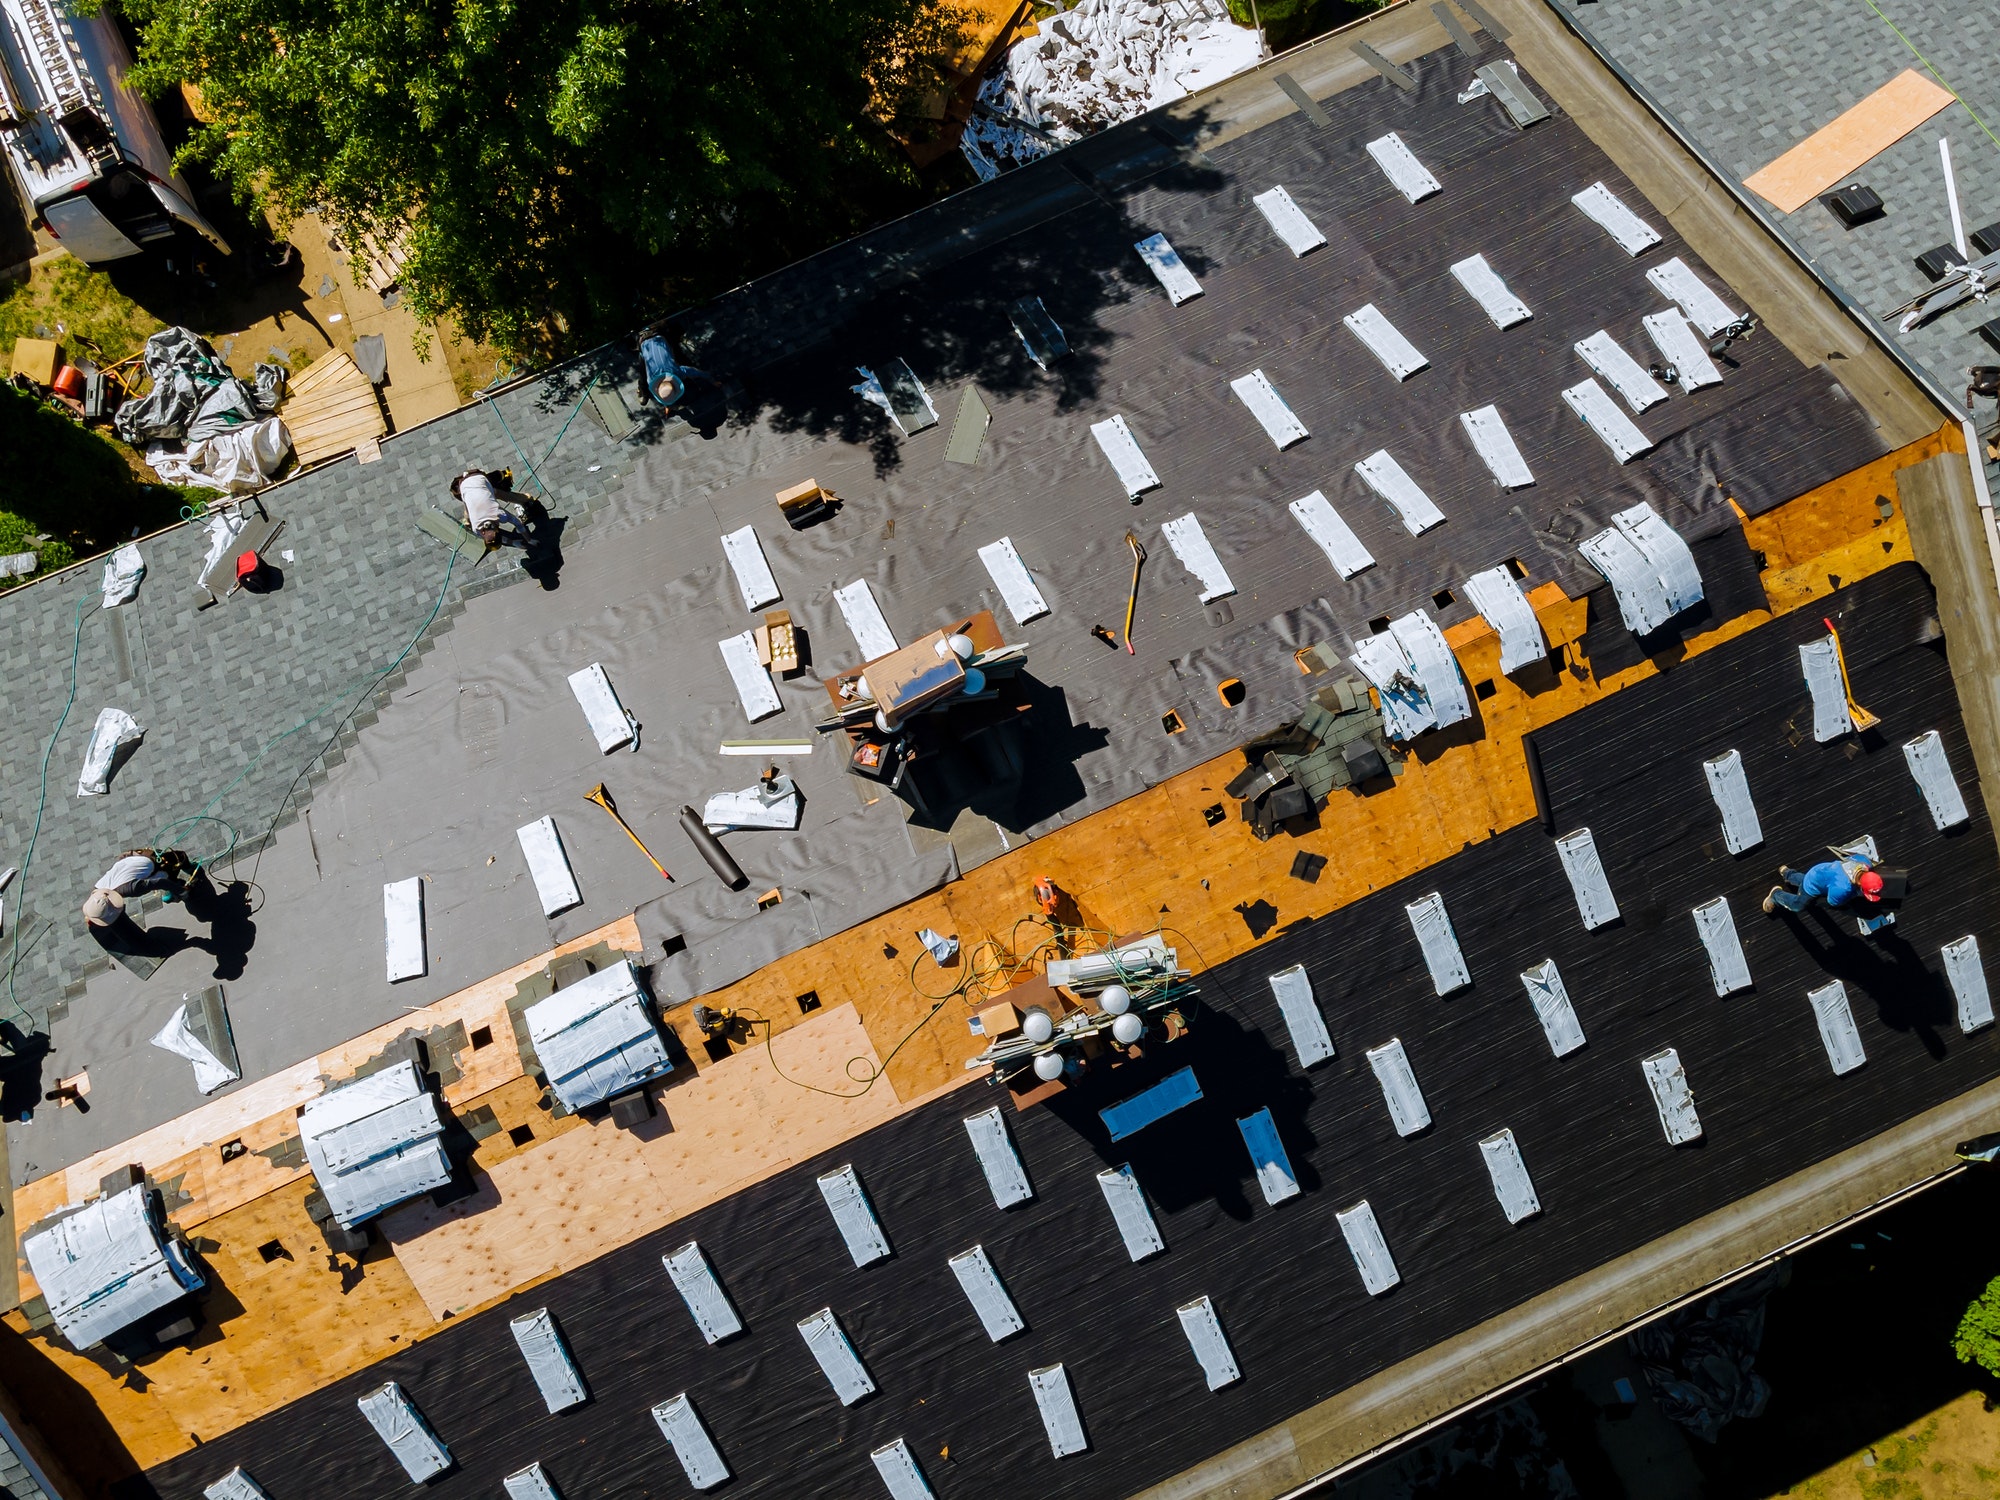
<point x="235" y="462"/>
<point x="194" y="396"/>
<point x="122" y="575"/>
<point x="1698" y="1363"/>
<point x="115" y="730"/>
<point x="210" y="1073"/>
<point x="1102" y="62"/>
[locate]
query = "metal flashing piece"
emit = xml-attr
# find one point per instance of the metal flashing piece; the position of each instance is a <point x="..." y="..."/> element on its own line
<point x="1727" y="967"/>
<point x="1633" y="234"/>
<point x="403" y="1429"/>
<point x="1836" y="1027"/>
<point x="1335" y="537"/>
<point x="862" y="614"/>
<point x="1401" y="77"/>
<point x="1058" y="1408"/>
<point x="1594" y="901"/>
<point x="1496" y="448"/>
<point x="692" y="1445"/>
<point x="1678" y="344"/>
<point x="1500" y="602"/>
<point x="1294" y="993"/>
<point x="1550" y="997"/>
<point x="610" y="725"/>
<point x="1166" y="265"/>
<point x="596" y="1038"/>
<point x="984" y="1290"/>
<point x="403" y="929"/>
<point x="1370" y="1250"/>
<point x="1455" y="29"/>
<point x="1039" y="333"/>
<point x="968" y="428"/>
<point x="1289" y="221"/>
<point x="1127" y="1201"/>
<point x="1731" y="789"/>
<point x="1506" y="85"/>
<point x="1127" y="461"/>
<point x="1399" y="164"/>
<point x="1129" y="1116"/>
<point x="1627" y="376"/>
<point x="1005" y="1175"/>
<point x="747" y="674"/>
<point x="1211" y="1347"/>
<point x="1511" y="1183"/>
<point x="835" y="1353"/>
<point x="107" y="1265"/>
<point x="1308" y="106"/>
<point x="1398" y="355"/>
<point x="548" y="866"/>
<point x="752" y="569"/>
<point x="529" y="1484"/>
<point x="1387" y="478"/>
<point x="374" y="1142"/>
<point x="1439" y="942"/>
<point x="1820" y="662"/>
<point x="1191" y="545"/>
<point x="235" y="1485"/>
<point x="900" y="1474"/>
<point x="1399" y="1087"/>
<point x="1010" y="575"/>
<point x="1676" y="281"/>
<point x="1968" y="983"/>
<point x="1273" y="413"/>
<point x="854" y="1216"/>
<point x="1932" y="769"/>
<point x="1490" y="292"/>
<point x="706" y="1301"/>
<point x="1671" y="1096"/>
<point x="1267" y="1156"/>
<point x="1593" y="404"/>
<point x="541" y="1344"/>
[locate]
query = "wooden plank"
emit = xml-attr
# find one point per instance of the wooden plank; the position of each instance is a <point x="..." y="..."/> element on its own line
<point x="1840" y="149"/>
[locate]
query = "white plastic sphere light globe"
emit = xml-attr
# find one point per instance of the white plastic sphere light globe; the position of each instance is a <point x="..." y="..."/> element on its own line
<point x="1049" y="1066"/>
<point x="1114" y="999"/>
<point x="1037" y="1026"/>
<point x="1128" y="1028"/>
<point x="961" y="646"/>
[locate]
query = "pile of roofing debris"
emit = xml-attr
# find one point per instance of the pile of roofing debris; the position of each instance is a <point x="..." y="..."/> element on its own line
<point x="201" y="424"/>
<point x="1102" y="62"/>
<point x="1698" y="1362"/>
<point x="1337" y="741"/>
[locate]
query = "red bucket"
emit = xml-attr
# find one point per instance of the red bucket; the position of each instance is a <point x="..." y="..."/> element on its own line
<point x="68" y="382"/>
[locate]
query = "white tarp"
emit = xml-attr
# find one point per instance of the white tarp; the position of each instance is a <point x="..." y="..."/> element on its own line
<point x="1633" y="234"/>
<point x="106" y="1266"/>
<point x="1335" y="537"/>
<point x="864" y="619"/>
<point x="1273" y="413"/>
<point x="1602" y="415"/>
<point x="1191" y="546"/>
<point x="1400" y="165"/>
<point x="752" y="569"/>
<point x="595" y="1039"/>
<point x="1010" y="575"/>
<point x="1415" y="673"/>
<point x="610" y="724"/>
<point x="548" y="864"/>
<point x="1676" y="281"/>
<point x="1171" y="271"/>
<point x="374" y="1142"/>
<point x="404" y="1430"/>
<point x="1387" y="478"/>
<point x="1628" y="377"/>
<point x="1490" y="292"/>
<point x="1500" y="602"/>
<point x="752" y="680"/>
<point x="766" y="804"/>
<point x="115" y="729"/>
<point x="1127" y="460"/>
<point x="1289" y="220"/>
<point x="1829" y="691"/>
<point x="403" y="929"/>
<point x="1385" y="341"/>
<point x="1678" y="344"/>
<point x="122" y="575"/>
<point x="1496" y="447"/>
<point x="177" y="1037"/>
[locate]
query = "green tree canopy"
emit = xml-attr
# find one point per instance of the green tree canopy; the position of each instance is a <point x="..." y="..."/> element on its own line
<point x="1977" y="1341"/>
<point x="559" y="168"/>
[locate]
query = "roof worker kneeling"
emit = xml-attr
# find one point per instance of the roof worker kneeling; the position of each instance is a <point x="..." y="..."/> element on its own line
<point x="1833" y="881"/>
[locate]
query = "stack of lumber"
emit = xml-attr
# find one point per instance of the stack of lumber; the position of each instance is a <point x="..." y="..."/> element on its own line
<point x="330" y="408"/>
<point x="384" y="257"/>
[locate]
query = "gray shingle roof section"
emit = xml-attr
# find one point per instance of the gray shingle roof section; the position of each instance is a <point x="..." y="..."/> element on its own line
<point x="1751" y="82"/>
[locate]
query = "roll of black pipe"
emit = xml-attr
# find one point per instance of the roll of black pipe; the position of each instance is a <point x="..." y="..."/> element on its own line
<point x="726" y="869"/>
<point x="1539" y="787"/>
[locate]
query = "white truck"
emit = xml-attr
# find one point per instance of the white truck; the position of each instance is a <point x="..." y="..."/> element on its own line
<point x="84" y="147"/>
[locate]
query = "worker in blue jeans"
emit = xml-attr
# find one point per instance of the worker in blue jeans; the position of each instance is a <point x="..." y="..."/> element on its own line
<point x="1833" y="881"/>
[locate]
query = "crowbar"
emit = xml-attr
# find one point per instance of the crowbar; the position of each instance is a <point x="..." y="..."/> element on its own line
<point x="1860" y="716"/>
<point x="602" y="798"/>
<point x="1132" y="599"/>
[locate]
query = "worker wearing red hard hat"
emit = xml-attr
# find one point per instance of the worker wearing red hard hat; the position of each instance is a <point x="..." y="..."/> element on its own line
<point x="1833" y="881"/>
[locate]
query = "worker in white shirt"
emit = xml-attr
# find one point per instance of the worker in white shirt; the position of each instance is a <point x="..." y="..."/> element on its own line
<point x="136" y="872"/>
<point x="491" y="520"/>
